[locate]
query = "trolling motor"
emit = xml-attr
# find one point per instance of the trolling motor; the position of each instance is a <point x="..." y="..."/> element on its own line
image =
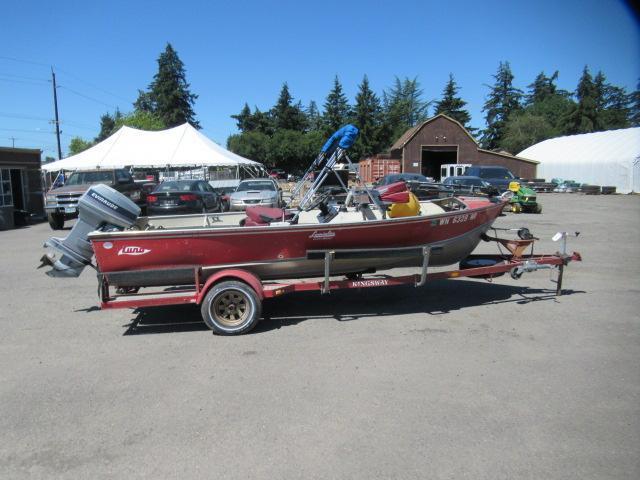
<point x="101" y="207"/>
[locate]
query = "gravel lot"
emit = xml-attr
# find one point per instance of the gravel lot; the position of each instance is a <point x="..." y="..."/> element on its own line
<point x="459" y="379"/>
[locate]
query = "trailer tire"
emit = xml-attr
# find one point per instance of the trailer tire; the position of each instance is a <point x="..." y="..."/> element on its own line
<point x="56" y="221"/>
<point x="231" y="308"/>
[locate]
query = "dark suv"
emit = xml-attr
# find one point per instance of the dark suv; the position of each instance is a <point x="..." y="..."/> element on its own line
<point x="62" y="202"/>
<point x="499" y="177"/>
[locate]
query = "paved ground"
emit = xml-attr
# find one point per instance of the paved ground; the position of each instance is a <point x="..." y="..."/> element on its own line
<point x="459" y="379"/>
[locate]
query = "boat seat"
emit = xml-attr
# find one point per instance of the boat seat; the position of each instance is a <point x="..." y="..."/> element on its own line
<point x="430" y="208"/>
<point x="257" y="215"/>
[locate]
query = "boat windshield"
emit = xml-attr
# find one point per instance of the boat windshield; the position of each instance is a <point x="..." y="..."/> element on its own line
<point x="255" y="185"/>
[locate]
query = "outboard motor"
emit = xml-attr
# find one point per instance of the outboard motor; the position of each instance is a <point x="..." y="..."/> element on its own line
<point x="101" y="207"/>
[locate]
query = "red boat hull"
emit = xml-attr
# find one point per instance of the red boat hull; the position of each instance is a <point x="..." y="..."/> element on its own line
<point x="168" y="257"/>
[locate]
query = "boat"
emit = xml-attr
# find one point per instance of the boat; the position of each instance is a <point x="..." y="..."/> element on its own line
<point x="229" y="262"/>
<point x="165" y="250"/>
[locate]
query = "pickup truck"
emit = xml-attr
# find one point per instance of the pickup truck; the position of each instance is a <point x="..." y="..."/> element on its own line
<point x="497" y="176"/>
<point x="62" y="202"/>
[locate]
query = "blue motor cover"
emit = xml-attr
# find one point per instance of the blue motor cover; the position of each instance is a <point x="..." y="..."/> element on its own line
<point x="344" y="138"/>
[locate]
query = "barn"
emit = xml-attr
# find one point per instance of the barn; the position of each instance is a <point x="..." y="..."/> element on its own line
<point x="441" y="140"/>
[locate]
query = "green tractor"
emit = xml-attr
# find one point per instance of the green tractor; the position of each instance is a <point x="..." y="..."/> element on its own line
<point x="524" y="199"/>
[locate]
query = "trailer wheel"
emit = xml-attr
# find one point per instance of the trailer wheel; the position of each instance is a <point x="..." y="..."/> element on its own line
<point x="231" y="308"/>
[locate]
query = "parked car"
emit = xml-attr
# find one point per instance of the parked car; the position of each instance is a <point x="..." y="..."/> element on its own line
<point x="499" y="177"/>
<point x="62" y="202"/>
<point x="183" y="196"/>
<point x="465" y="181"/>
<point x="256" y="191"/>
<point x="278" y="174"/>
<point x="405" y="177"/>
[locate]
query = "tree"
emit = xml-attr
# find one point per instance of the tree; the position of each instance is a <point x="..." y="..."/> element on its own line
<point x="404" y="106"/>
<point x="452" y="105"/>
<point x="634" y="107"/>
<point x="77" y="145"/>
<point x="336" y="108"/>
<point x="243" y="119"/>
<point x="314" y="118"/>
<point x="525" y="129"/>
<point x="502" y="101"/>
<point x="169" y="96"/>
<point x="141" y="121"/>
<point x="542" y="88"/>
<point x="612" y="104"/>
<point x="584" y="117"/>
<point x="367" y="115"/>
<point x="251" y="144"/>
<point x="285" y="114"/>
<point x="107" y="125"/>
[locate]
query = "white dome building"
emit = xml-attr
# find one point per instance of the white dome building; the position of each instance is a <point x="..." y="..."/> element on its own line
<point x="610" y="158"/>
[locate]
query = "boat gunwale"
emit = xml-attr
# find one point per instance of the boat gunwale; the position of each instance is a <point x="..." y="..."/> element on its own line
<point x="261" y="229"/>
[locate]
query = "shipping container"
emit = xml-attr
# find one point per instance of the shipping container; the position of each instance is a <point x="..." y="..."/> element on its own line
<point x="372" y="169"/>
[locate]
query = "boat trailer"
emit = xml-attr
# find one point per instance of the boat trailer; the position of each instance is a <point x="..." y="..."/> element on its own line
<point x="231" y="298"/>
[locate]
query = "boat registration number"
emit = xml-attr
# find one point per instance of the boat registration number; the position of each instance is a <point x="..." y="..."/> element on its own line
<point x="465" y="217"/>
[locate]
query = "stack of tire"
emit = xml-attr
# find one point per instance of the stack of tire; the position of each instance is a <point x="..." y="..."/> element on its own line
<point x="591" y="189"/>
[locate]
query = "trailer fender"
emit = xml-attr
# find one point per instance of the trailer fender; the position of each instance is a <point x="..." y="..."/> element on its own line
<point x="231" y="274"/>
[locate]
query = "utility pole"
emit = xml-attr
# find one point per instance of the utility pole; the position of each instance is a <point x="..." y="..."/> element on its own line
<point x="13" y="142"/>
<point x="55" y="106"/>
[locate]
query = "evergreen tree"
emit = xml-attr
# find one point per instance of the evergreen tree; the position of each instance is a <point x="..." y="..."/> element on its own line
<point x="612" y="104"/>
<point x="452" y="105"/>
<point x="404" y="106"/>
<point x="107" y="125"/>
<point x="243" y="118"/>
<point x="314" y="118"/>
<point x="542" y="88"/>
<point x="169" y="97"/>
<point x="285" y="114"/>
<point x="503" y="100"/>
<point x="634" y="107"/>
<point x="336" y="109"/>
<point x="584" y="117"/>
<point x="367" y="117"/>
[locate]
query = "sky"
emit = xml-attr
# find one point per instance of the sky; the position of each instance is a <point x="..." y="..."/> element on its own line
<point x="242" y="51"/>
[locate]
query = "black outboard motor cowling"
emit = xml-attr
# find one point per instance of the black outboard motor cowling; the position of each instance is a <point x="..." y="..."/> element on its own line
<point x="100" y="206"/>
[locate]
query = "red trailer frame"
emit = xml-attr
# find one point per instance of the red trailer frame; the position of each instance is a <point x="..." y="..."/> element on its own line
<point x="516" y="262"/>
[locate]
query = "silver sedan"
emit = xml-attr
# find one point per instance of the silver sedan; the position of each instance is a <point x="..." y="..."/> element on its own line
<point x="256" y="191"/>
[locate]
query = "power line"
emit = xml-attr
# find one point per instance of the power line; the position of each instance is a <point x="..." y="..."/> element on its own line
<point x="23" y="117"/>
<point x="68" y="73"/>
<point x="87" y="96"/>
<point x="24" y="82"/>
<point x="23" y="77"/>
<point x="94" y="86"/>
<point x="23" y="61"/>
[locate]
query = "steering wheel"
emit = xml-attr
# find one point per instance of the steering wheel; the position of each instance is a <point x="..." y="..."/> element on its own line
<point x="320" y="199"/>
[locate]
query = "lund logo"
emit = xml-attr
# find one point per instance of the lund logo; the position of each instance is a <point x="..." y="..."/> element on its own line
<point x="322" y="235"/>
<point x="131" y="250"/>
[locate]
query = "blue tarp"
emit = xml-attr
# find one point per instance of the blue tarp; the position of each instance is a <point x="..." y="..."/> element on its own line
<point x="345" y="138"/>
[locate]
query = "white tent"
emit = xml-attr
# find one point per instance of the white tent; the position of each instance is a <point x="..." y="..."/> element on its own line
<point x="182" y="146"/>
<point x="609" y="158"/>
